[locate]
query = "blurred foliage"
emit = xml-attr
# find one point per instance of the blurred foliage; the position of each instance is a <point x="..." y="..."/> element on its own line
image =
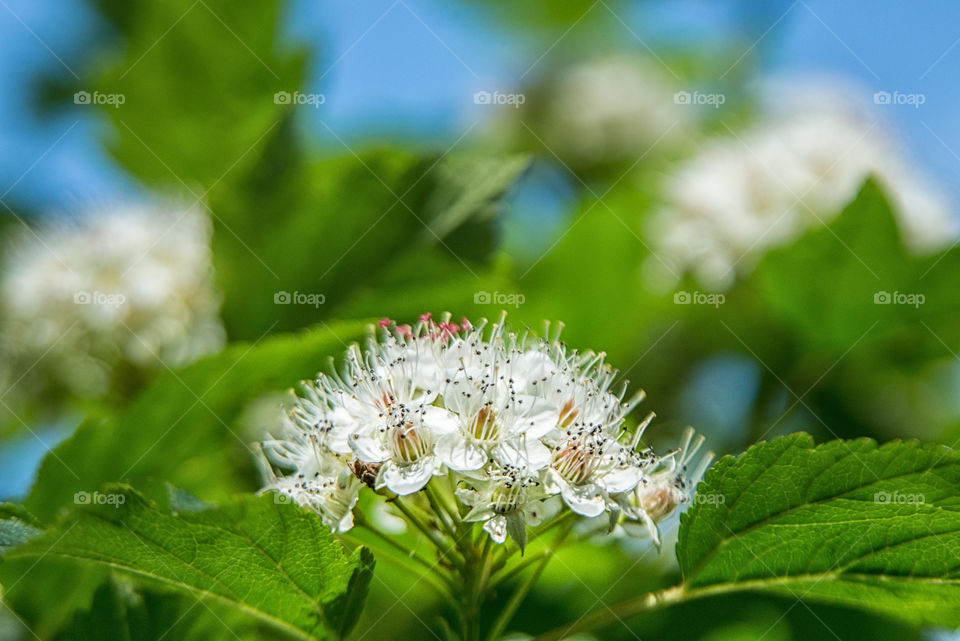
<point x="381" y="231"/>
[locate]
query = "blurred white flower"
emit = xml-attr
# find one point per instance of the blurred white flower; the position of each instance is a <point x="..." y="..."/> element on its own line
<point x="613" y="109"/>
<point x="764" y="187"/>
<point x="132" y="284"/>
<point x="668" y="486"/>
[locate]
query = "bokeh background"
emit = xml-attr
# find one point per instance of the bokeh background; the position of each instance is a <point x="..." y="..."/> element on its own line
<point x="751" y="207"/>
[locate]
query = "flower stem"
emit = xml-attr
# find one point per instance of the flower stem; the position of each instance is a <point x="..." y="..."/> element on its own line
<point x="506" y="615"/>
<point x="408" y="553"/>
<point x="647" y="602"/>
<point x="442" y="514"/>
<point x="564" y="517"/>
<point x="476" y="579"/>
<point x="443" y="549"/>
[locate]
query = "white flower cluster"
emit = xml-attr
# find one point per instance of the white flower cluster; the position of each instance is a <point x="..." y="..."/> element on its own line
<point x="129" y="285"/>
<point x="513" y="420"/>
<point x="747" y="193"/>
<point x="613" y="109"/>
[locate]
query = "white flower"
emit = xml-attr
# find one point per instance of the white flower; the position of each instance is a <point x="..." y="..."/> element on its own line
<point x="332" y="497"/>
<point x="402" y="440"/>
<point x="670" y="485"/>
<point x="131" y="284"/>
<point x="796" y="169"/>
<point x="589" y="468"/>
<point x="514" y="422"/>
<point x="493" y="420"/>
<point x="613" y="109"/>
<point x="508" y="500"/>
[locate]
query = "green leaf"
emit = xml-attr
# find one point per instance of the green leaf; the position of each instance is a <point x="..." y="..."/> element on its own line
<point x="275" y="561"/>
<point x="849" y="522"/>
<point x="862" y="258"/>
<point x="189" y="130"/>
<point x="182" y="428"/>
<point x="17" y="526"/>
<point x="344" y="226"/>
<point x="121" y="610"/>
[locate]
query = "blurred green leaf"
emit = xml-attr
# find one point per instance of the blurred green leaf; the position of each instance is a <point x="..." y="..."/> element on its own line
<point x="180" y="429"/>
<point x="275" y="561"/>
<point x="175" y="128"/>
<point x="850" y="522"/>
<point x="17" y="526"/>
<point x="345" y="226"/>
<point x="123" y="611"/>
<point x="863" y="275"/>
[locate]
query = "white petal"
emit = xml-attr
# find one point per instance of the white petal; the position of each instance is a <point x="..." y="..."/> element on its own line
<point x="407" y="479"/>
<point x="497" y="528"/>
<point x="529" y="453"/>
<point x="460" y="454"/>
<point x="553" y="483"/>
<point x="368" y="446"/>
<point x="534" y="512"/>
<point x="587" y="501"/>
<point x="480" y="512"/>
<point x="346" y="522"/>
<point x="622" y="479"/>
<point x="439" y="420"/>
<point x="652" y="529"/>
<point x="537" y="416"/>
<point x="532" y="366"/>
<point x="468" y="496"/>
<point x="338" y="438"/>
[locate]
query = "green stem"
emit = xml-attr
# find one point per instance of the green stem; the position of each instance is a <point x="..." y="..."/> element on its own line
<point x="520" y="567"/>
<point x="442" y="513"/>
<point x="620" y="612"/>
<point x="506" y="615"/>
<point x="442" y="548"/>
<point x="362" y="522"/>
<point x="565" y="517"/>
<point x="439" y="582"/>
<point x="476" y="579"/>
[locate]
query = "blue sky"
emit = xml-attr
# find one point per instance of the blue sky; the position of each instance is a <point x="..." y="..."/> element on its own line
<point x="413" y="65"/>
